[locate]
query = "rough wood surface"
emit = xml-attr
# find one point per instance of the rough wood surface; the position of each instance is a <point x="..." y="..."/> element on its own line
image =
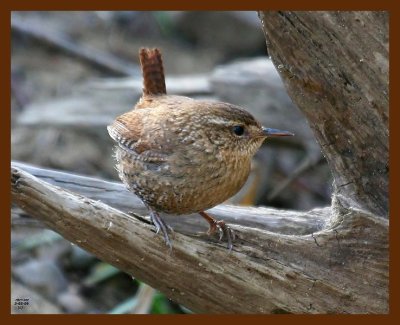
<point x="117" y="196"/>
<point x="335" y="66"/>
<point x="272" y="273"/>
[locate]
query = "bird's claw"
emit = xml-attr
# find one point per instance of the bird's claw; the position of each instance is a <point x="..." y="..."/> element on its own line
<point x="223" y="229"/>
<point x="160" y="224"/>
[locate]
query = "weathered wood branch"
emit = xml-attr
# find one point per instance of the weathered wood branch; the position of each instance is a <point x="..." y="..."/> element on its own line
<point x="335" y="66"/>
<point x="270" y="272"/>
<point x="117" y="196"/>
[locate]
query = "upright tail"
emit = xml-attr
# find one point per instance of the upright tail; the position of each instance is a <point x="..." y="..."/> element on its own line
<point x="152" y="71"/>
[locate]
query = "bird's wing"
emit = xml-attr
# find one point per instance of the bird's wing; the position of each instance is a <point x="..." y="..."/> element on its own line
<point x="129" y="140"/>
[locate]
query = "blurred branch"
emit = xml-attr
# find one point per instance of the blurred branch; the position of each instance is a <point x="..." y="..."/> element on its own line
<point x="144" y="299"/>
<point x="306" y="164"/>
<point x="139" y="304"/>
<point x="59" y="41"/>
<point x="194" y="84"/>
<point x="16" y="91"/>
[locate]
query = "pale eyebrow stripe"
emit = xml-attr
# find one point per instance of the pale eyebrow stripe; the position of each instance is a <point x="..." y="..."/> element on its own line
<point x="220" y="121"/>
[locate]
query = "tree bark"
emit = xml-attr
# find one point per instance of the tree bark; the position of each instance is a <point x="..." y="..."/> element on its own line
<point x="117" y="196"/>
<point x="272" y="272"/>
<point x="334" y="65"/>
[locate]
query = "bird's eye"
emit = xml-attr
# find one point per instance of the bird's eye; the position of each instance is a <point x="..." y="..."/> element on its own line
<point x="238" y="130"/>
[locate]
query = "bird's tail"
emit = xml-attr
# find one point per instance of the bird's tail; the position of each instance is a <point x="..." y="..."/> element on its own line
<point x="152" y="71"/>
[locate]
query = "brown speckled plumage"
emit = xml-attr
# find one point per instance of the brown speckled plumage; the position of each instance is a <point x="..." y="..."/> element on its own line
<point x="181" y="155"/>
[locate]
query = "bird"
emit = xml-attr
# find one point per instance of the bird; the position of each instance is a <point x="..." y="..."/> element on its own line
<point x="181" y="155"/>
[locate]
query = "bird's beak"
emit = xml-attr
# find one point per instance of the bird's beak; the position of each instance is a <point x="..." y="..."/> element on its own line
<point x="276" y="133"/>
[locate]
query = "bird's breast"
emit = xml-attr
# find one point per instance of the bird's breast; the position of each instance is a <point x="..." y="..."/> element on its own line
<point x="189" y="181"/>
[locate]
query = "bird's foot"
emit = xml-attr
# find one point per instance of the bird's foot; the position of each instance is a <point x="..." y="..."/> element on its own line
<point x="160" y="224"/>
<point x="222" y="227"/>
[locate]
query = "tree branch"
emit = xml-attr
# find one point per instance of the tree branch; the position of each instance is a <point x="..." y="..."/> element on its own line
<point x="335" y="66"/>
<point x="59" y="41"/>
<point x="271" y="272"/>
<point x="117" y="196"/>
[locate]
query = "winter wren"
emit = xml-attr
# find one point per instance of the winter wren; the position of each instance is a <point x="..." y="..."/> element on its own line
<point x="181" y="155"/>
